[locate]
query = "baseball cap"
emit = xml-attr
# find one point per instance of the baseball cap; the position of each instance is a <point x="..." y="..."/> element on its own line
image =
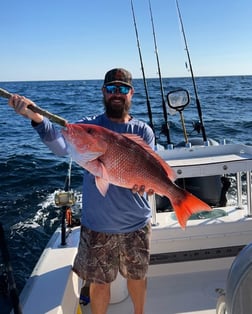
<point x="118" y="75"/>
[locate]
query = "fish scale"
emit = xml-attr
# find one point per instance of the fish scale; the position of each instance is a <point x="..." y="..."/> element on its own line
<point x="125" y="164"/>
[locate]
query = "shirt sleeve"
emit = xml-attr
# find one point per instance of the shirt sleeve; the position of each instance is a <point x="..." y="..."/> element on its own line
<point x="149" y="137"/>
<point x="51" y="137"/>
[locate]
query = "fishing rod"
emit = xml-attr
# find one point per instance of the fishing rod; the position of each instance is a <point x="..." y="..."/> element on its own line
<point x="12" y="290"/>
<point x="142" y="68"/>
<point x="192" y="75"/>
<point x="166" y="126"/>
<point x="59" y="120"/>
<point x="66" y="199"/>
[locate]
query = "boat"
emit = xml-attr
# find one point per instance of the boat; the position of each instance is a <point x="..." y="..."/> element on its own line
<point x="207" y="265"/>
<point x="204" y="269"/>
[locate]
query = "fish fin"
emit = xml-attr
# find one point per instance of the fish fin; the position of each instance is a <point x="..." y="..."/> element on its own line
<point x="189" y="205"/>
<point x="102" y="185"/>
<point x="102" y="181"/>
<point x="138" y="140"/>
<point x="97" y="168"/>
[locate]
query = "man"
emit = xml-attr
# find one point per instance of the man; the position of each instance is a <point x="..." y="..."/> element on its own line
<point x="115" y="231"/>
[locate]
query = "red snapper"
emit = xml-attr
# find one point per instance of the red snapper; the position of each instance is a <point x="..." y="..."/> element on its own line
<point x="126" y="160"/>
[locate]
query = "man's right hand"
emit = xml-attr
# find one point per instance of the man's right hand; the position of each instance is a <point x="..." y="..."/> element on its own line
<point x="20" y="103"/>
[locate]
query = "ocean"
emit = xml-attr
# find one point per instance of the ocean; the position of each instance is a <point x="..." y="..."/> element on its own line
<point x="30" y="173"/>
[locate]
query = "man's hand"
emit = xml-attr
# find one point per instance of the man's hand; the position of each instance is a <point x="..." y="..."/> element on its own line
<point x="141" y="190"/>
<point x="20" y="104"/>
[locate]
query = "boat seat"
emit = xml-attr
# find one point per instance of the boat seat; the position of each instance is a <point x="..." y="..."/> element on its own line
<point x="238" y="295"/>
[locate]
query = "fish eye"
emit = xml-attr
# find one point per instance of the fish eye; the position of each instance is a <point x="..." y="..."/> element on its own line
<point x="89" y="130"/>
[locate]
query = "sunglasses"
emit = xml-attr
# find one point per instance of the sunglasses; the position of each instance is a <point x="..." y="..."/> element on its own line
<point x="122" y="89"/>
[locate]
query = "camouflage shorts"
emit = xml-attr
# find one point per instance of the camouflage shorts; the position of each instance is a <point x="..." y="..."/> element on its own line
<point x="101" y="255"/>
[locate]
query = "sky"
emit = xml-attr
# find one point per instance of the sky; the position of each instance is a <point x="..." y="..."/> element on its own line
<point x="79" y="40"/>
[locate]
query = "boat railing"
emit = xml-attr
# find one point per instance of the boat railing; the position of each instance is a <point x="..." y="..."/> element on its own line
<point x="202" y="161"/>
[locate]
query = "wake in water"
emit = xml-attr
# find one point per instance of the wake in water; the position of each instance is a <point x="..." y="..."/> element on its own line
<point x="28" y="212"/>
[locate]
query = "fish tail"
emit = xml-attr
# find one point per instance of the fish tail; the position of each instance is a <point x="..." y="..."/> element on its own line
<point x="187" y="206"/>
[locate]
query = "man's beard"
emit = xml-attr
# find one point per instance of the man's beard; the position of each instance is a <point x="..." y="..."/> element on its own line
<point x="116" y="111"/>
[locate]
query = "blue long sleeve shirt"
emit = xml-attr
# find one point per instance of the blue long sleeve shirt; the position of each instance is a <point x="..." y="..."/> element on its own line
<point x="120" y="211"/>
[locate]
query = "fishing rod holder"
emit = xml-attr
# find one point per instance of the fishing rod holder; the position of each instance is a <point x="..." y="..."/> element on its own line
<point x="64" y="199"/>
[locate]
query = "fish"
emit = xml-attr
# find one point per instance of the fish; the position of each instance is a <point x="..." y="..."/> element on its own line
<point x="126" y="160"/>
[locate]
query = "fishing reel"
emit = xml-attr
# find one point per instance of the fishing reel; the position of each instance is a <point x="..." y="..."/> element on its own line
<point x="65" y="198"/>
<point x="197" y="126"/>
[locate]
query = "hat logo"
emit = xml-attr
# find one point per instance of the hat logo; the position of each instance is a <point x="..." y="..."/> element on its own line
<point x="119" y="75"/>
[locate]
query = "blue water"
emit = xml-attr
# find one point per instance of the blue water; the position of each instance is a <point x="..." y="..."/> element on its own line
<point x="30" y="173"/>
